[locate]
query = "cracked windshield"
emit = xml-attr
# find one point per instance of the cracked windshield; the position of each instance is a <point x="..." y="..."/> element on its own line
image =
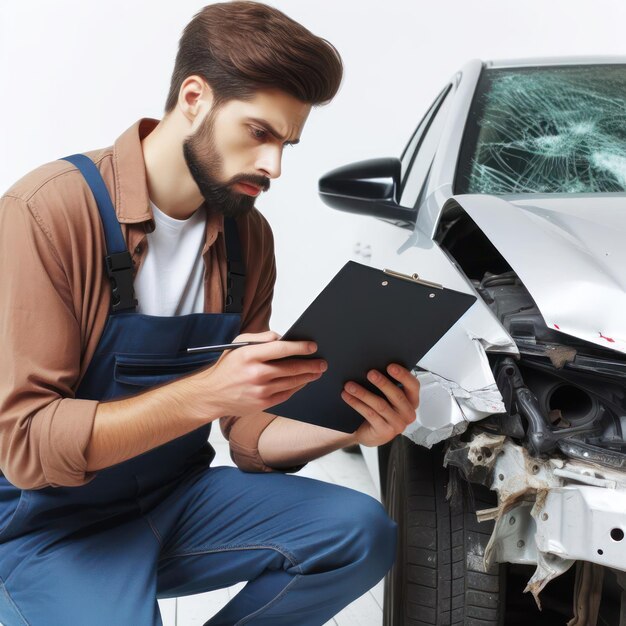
<point x="547" y="130"/>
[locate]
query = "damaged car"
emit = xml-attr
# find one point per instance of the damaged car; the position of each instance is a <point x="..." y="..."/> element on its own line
<point x="512" y="479"/>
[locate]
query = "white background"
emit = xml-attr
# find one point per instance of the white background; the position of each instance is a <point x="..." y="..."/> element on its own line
<point x="76" y="73"/>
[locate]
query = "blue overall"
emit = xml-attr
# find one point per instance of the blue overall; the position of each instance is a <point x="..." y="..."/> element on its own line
<point x="167" y="524"/>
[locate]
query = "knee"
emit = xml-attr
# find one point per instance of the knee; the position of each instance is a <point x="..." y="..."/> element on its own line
<point x="371" y="535"/>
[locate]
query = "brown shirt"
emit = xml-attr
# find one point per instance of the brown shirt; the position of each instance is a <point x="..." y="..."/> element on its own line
<point x="55" y="299"/>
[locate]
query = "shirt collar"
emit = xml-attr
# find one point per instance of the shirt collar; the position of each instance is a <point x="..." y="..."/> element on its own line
<point x="132" y="203"/>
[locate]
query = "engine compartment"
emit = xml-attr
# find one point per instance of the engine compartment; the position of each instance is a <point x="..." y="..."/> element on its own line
<point x="563" y="395"/>
<point x="556" y="457"/>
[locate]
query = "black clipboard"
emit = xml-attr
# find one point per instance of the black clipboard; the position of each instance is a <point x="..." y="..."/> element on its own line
<point x="366" y="318"/>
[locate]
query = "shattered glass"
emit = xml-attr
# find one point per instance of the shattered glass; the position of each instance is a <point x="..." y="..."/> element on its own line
<point x="547" y="130"/>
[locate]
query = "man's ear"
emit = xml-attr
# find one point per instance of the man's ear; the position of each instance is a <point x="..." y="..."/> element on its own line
<point x="194" y="97"/>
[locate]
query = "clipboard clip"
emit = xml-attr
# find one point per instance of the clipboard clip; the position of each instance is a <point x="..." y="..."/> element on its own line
<point x="413" y="278"/>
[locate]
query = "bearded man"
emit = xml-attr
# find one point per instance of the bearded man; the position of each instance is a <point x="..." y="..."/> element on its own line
<point x="114" y="263"/>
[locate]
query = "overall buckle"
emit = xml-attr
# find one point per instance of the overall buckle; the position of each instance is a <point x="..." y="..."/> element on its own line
<point x="235" y="286"/>
<point x="119" y="267"/>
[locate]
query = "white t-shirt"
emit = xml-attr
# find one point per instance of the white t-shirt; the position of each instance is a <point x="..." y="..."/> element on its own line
<point x="170" y="280"/>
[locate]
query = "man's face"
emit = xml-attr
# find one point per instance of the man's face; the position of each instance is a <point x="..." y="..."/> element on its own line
<point x="237" y="148"/>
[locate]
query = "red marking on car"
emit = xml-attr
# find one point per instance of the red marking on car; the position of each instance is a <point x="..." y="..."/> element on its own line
<point x="557" y="327"/>
<point x="607" y="338"/>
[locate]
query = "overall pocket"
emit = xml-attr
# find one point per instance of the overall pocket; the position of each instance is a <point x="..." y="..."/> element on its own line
<point x="149" y="370"/>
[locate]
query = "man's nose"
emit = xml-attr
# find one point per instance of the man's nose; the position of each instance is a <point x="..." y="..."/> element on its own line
<point x="269" y="161"/>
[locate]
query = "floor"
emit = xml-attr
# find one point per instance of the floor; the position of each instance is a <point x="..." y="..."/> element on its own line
<point x="339" y="467"/>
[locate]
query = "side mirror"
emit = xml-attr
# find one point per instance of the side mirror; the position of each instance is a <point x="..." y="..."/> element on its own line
<point x="367" y="187"/>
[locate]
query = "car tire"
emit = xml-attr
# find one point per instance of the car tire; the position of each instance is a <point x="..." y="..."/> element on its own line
<point x="438" y="578"/>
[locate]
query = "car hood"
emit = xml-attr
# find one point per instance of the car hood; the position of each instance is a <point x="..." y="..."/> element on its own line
<point x="570" y="253"/>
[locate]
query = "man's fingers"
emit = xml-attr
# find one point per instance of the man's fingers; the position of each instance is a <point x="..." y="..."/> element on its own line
<point x="376" y="406"/>
<point x="293" y="382"/>
<point x="268" y="335"/>
<point x="381" y="426"/>
<point x="410" y="383"/>
<point x="282" y="396"/>
<point x="393" y="393"/>
<point x="280" y="349"/>
<point x="295" y="367"/>
<point x="372" y="400"/>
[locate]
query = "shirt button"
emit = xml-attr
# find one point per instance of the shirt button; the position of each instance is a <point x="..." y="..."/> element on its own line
<point x="138" y="249"/>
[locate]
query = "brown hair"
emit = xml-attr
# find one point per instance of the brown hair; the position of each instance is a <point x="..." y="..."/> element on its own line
<point x="241" y="47"/>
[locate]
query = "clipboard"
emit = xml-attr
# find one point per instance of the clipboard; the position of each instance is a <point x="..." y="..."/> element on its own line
<point x="364" y="319"/>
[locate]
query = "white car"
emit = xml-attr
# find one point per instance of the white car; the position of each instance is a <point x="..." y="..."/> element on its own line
<point x="512" y="188"/>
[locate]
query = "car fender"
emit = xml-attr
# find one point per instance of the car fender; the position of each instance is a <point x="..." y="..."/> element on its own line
<point x="568" y="251"/>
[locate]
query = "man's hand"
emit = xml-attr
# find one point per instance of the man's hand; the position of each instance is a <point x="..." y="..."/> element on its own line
<point x="242" y="381"/>
<point x="251" y="379"/>
<point x="384" y="417"/>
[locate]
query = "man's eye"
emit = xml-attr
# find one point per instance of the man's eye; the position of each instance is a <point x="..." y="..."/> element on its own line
<point x="258" y="133"/>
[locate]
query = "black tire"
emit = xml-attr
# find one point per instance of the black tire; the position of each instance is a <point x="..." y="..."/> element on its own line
<point x="437" y="579"/>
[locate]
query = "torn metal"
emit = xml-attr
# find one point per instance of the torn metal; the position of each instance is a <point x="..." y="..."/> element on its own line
<point x="439" y="415"/>
<point x="551" y="512"/>
<point x="446" y="409"/>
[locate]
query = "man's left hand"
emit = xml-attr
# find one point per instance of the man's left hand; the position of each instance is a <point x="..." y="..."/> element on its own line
<point x="384" y="417"/>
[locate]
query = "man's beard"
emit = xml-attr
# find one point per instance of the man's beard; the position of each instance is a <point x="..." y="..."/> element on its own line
<point x="205" y="163"/>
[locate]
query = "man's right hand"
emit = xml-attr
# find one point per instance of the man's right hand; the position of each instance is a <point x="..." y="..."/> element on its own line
<point x="243" y="381"/>
<point x="251" y="379"/>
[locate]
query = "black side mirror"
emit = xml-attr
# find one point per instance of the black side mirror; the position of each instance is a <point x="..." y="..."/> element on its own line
<point x="367" y="187"/>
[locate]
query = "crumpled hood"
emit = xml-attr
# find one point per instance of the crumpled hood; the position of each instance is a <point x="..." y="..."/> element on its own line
<point x="570" y="253"/>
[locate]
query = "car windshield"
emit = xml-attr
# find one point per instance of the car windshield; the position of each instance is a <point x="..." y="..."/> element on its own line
<point x="546" y="130"/>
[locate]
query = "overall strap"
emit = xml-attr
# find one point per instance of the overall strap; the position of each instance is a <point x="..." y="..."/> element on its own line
<point x="236" y="270"/>
<point x="118" y="262"/>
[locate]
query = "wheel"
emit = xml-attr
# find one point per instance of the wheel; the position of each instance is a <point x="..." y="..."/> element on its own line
<point x="438" y="577"/>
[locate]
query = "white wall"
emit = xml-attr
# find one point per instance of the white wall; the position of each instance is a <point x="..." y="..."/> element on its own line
<point x="76" y="73"/>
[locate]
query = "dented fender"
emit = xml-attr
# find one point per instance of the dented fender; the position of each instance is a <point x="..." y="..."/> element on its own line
<point x="575" y="270"/>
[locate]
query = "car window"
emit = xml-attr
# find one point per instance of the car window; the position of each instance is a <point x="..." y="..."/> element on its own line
<point x="426" y="147"/>
<point x="546" y="130"/>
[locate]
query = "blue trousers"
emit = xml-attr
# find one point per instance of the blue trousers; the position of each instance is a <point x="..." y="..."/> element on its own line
<point x="306" y="547"/>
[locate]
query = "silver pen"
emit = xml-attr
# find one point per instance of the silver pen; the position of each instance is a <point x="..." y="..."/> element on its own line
<point x="224" y="346"/>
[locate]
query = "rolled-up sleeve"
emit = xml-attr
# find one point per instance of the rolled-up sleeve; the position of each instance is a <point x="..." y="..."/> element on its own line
<point x="243" y="434"/>
<point x="44" y="430"/>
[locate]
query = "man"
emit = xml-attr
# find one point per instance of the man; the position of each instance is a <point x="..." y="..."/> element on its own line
<point x="108" y="500"/>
